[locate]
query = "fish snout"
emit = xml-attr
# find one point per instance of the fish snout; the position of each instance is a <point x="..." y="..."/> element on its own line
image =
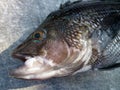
<point x="23" y="51"/>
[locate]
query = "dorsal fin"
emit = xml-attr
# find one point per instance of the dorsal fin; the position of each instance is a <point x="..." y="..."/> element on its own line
<point x="68" y="3"/>
<point x="76" y="7"/>
<point x="65" y="4"/>
<point x="79" y="7"/>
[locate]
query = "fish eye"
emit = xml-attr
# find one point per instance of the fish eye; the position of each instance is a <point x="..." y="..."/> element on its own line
<point x="39" y="35"/>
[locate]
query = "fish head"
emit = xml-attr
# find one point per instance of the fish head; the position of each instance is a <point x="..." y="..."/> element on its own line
<point x="42" y="53"/>
<point x="49" y="52"/>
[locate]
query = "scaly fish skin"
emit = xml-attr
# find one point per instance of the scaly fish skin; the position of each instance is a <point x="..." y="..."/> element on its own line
<point x="77" y="37"/>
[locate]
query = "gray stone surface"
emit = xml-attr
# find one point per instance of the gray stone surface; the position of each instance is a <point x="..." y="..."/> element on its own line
<point x="18" y="18"/>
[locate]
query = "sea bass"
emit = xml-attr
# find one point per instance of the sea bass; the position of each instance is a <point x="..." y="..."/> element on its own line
<point x="80" y="36"/>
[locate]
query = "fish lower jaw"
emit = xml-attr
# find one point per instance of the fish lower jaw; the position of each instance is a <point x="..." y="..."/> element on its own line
<point x="46" y="75"/>
<point x="38" y="68"/>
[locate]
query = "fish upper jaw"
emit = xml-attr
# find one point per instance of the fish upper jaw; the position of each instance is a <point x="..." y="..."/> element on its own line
<point x="20" y="56"/>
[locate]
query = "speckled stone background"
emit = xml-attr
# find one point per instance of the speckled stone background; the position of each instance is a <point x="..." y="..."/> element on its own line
<point x="18" y="18"/>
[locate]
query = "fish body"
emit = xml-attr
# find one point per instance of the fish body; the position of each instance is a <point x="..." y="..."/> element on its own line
<point x="78" y="37"/>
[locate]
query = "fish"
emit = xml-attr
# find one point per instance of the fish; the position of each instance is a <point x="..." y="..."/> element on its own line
<point x="78" y="37"/>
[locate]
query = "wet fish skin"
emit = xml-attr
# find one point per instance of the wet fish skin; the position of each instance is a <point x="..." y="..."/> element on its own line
<point x="77" y="37"/>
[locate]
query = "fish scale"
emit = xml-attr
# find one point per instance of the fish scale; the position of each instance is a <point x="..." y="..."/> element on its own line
<point x="92" y="17"/>
<point x="110" y="55"/>
<point x="86" y="9"/>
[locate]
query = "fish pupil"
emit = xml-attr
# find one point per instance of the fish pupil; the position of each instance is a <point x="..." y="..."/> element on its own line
<point x="37" y="35"/>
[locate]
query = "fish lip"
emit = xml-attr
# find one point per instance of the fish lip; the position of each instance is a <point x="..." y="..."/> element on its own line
<point x="21" y="56"/>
